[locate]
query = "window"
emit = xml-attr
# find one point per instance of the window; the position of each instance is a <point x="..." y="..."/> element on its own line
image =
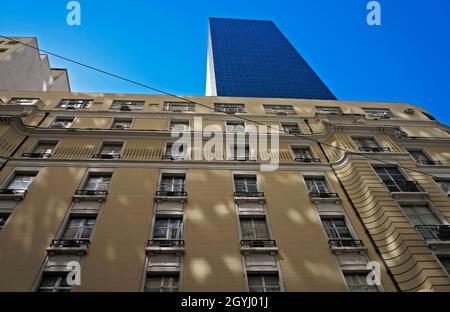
<point x="178" y="125"/>
<point x="74" y="104"/>
<point x="429" y="116"/>
<point x="329" y="110"/>
<point x="180" y="154"/>
<point x="303" y="154"/>
<point x="240" y="152"/>
<point x="357" y="282"/>
<point x="128" y="105"/>
<point x="316" y="185"/>
<point x="42" y="150"/>
<point x="62" y="122"/>
<point x="54" y="282"/>
<point x="98" y="182"/>
<point x="178" y="106"/>
<point x="24" y="101"/>
<point x="172" y="183"/>
<point x="421" y="158"/>
<point x="161" y="283"/>
<point x="420" y="215"/>
<point x="3" y="219"/>
<point x="121" y="123"/>
<point x="235" y="126"/>
<point x="254" y="229"/>
<point x="245" y="184"/>
<point x="336" y="228"/>
<point x="378" y="112"/>
<point x="79" y="228"/>
<point x="445" y="261"/>
<point x="3" y="50"/>
<point x="291" y="128"/>
<point x="263" y="282"/>
<point x="366" y="143"/>
<point x="279" y="109"/>
<point x="229" y="108"/>
<point x="445" y="185"/>
<point x="21" y="181"/>
<point x="110" y="150"/>
<point x="395" y="181"/>
<point x="168" y="228"/>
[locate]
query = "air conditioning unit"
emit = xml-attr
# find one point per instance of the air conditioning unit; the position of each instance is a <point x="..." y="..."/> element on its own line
<point x="409" y="111"/>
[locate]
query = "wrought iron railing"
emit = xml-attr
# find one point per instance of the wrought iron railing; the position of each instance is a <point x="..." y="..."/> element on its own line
<point x="437" y="232"/>
<point x="91" y="192"/>
<point x="345" y="242"/>
<point x="323" y="195"/>
<point x="165" y="243"/>
<point x="248" y="194"/>
<point x="307" y="159"/>
<point x="71" y="242"/>
<point x="429" y="162"/>
<point x="37" y="155"/>
<point x="106" y="156"/>
<point x="13" y="191"/>
<point x="405" y="186"/>
<point x="258" y="243"/>
<point x="171" y="193"/>
<point x="374" y="149"/>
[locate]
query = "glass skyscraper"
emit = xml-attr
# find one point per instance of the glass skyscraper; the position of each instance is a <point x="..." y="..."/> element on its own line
<point x="252" y="58"/>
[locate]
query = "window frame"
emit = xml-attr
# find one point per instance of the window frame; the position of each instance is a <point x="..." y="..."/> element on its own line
<point x="62" y="117"/>
<point x="86" y="103"/>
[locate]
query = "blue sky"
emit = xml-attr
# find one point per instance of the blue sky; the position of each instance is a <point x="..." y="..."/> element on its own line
<point x="163" y="43"/>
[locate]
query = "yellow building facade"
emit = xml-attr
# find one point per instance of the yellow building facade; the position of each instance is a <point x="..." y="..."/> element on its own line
<point x="361" y="188"/>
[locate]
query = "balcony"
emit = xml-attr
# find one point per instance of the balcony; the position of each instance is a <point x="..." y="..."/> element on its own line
<point x="106" y="156"/>
<point x="428" y="162"/>
<point x="242" y="158"/>
<point x="177" y="196"/>
<point x="324" y="197"/>
<point x="345" y="242"/>
<point x="37" y="155"/>
<point x="83" y="194"/>
<point x="434" y="234"/>
<point x="374" y="149"/>
<point x="14" y="194"/>
<point x="307" y="159"/>
<point x="70" y="245"/>
<point x="169" y="245"/>
<point x="172" y="193"/>
<point x="249" y="196"/>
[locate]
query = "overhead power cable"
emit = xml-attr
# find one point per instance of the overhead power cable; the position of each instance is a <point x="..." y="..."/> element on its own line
<point x="184" y="99"/>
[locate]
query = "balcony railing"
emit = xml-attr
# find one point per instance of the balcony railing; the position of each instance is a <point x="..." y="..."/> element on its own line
<point x="307" y="159"/>
<point x="37" y="155"/>
<point x="345" y="242"/>
<point x="171" y="193"/>
<point x="174" y="157"/>
<point x="13" y="191"/>
<point x="71" y="243"/>
<point x="429" y="162"/>
<point x="404" y="186"/>
<point x="106" y="156"/>
<point x="436" y="232"/>
<point x="248" y="194"/>
<point x="91" y="192"/>
<point x="323" y="195"/>
<point x="258" y="243"/>
<point x="243" y="158"/>
<point x="374" y="149"/>
<point x="165" y="243"/>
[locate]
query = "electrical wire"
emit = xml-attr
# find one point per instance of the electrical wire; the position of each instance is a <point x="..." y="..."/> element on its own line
<point x="184" y="99"/>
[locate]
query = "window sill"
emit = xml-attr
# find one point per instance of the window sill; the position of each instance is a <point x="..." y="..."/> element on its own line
<point x="341" y="250"/>
<point x="17" y="197"/>
<point x="248" y="249"/>
<point x="239" y="200"/>
<point x="162" y="198"/>
<point x="437" y="244"/>
<point x="335" y="200"/>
